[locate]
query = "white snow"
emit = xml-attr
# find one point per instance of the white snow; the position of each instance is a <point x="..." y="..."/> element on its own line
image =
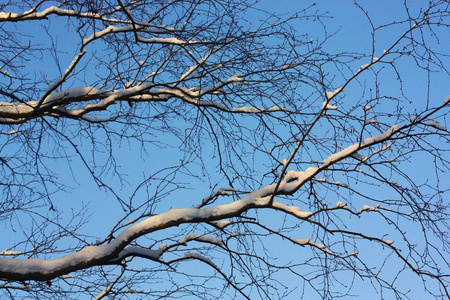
<point x="32" y="14"/>
<point x="299" y="176"/>
<point x="215" y="215"/>
<point x="157" y="40"/>
<point x="435" y="125"/>
<point x="303" y="241"/>
<point x="368" y="207"/>
<point x="367" y="107"/>
<point x="200" y="238"/>
<point x="246" y="109"/>
<point x="293" y="210"/>
<point x="328" y="106"/>
<point x="363" y="67"/>
<point x="381" y="137"/>
<point x="199" y="257"/>
<point x="340" y="204"/>
<point x="358" y="156"/>
<point x="383" y="148"/>
<point x="308" y="241"/>
<point x="370" y="121"/>
<point x="7" y="252"/>
<point x="389" y="242"/>
<point x="341" y="154"/>
<point x="72" y="94"/>
<point x="192" y="70"/>
<point x="447" y="100"/>
<point x="341" y="183"/>
<point x="332" y="94"/>
<point x="277" y="108"/>
<point x="221" y="223"/>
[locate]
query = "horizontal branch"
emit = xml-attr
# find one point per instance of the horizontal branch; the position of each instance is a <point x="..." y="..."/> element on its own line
<point x="56" y="104"/>
<point x="32" y="14"/>
<point x="39" y="269"/>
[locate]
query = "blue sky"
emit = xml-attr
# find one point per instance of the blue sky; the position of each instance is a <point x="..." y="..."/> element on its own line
<point x="352" y="33"/>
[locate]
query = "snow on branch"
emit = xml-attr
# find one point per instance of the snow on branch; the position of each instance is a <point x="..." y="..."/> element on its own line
<point x="352" y="151"/>
<point x="436" y="125"/>
<point x="199" y="257"/>
<point x="33" y="15"/>
<point x="381" y="137"/>
<point x="39" y="269"/>
<point x="308" y="241"/>
<point x="55" y="104"/>
<point x="140" y="252"/>
<point x="327" y="106"/>
<point x="331" y="95"/>
<point x="144" y="28"/>
<point x="201" y="238"/>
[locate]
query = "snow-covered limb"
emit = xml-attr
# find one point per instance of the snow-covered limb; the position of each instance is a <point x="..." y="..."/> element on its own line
<point x="341" y="154"/>
<point x="447" y="100"/>
<point x="220" y="224"/>
<point x="39" y="269"/>
<point x="327" y="106"/>
<point x="252" y="109"/>
<point x="359" y="156"/>
<point x="219" y="192"/>
<point x="27" y="110"/>
<point x="192" y="71"/>
<point x="8" y="252"/>
<point x="363" y="67"/>
<point x="55" y="104"/>
<point x="144" y="28"/>
<point x="22" y="269"/>
<point x="382" y="137"/>
<point x="340" y="204"/>
<point x="436" y="125"/>
<point x="199" y="257"/>
<point x="308" y="241"/>
<point x="331" y="95"/>
<point x="140" y="252"/>
<point x="201" y="238"/>
<point x="52" y="87"/>
<point x="33" y="15"/>
<point x="293" y="210"/>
